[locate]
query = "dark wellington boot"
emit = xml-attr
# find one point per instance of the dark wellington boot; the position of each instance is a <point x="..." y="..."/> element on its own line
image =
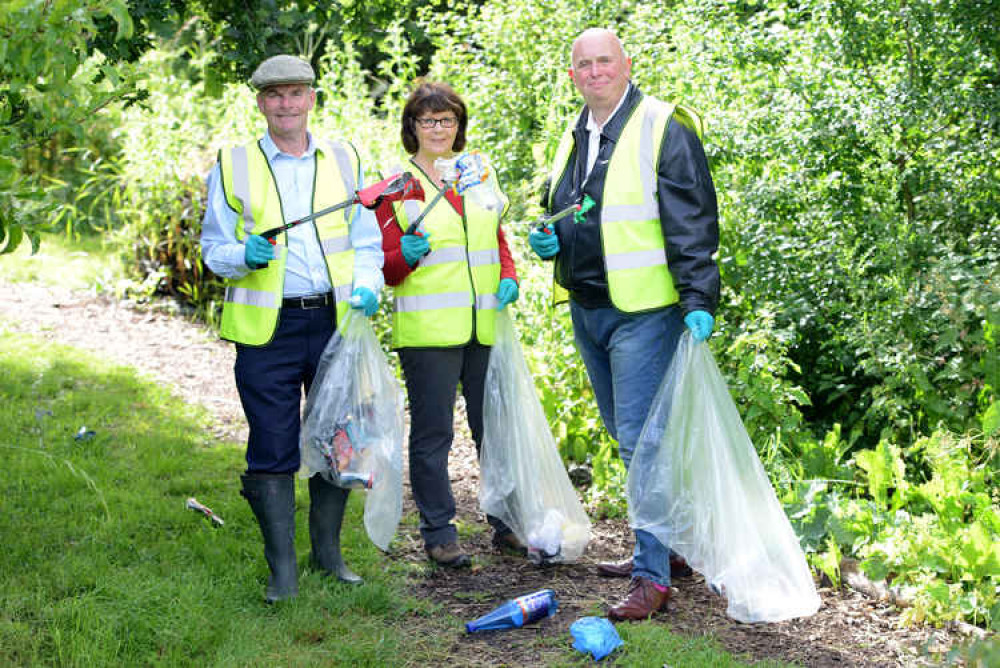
<point x="272" y="499"/>
<point x="326" y="514"/>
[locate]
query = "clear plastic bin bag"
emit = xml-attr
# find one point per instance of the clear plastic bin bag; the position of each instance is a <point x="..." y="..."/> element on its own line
<point x="696" y="483"/>
<point x="523" y="481"/>
<point x="352" y="431"/>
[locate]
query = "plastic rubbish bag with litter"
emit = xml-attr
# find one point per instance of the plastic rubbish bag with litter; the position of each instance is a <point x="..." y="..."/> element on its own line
<point x="697" y="484"/>
<point x="524" y="483"/>
<point x="352" y="431"/>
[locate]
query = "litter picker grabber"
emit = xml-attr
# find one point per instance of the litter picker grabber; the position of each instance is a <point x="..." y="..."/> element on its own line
<point x="415" y="225"/>
<point x="393" y="189"/>
<point x="578" y="211"/>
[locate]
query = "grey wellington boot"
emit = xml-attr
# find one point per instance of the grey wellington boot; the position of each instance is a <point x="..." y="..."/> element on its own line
<point x="326" y="514"/>
<point x="272" y="499"/>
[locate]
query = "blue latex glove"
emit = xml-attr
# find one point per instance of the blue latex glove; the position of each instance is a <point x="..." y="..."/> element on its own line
<point x="595" y="635"/>
<point x="364" y="300"/>
<point x="700" y="323"/>
<point x="507" y="293"/>
<point x="544" y="243"/>
<point x="414" y="247"/>
<point x="258" y="252"/>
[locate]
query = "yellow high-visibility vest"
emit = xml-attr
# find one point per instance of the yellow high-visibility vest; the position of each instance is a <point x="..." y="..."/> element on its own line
<point x="451" y="293"/>
<point x="632" y="241"/>
<point x="252" y="303"/>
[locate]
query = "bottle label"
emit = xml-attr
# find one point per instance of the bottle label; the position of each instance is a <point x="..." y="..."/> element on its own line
<point x="535" y="606"/>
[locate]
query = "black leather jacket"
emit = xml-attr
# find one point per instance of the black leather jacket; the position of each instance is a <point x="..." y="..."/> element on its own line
<point x="688" y="213"/>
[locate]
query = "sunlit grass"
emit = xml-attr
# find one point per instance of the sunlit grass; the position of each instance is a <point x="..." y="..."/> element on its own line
<point x="83" y="262"/>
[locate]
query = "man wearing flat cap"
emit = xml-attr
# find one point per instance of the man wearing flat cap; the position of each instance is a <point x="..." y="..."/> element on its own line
<point x="283" y="301"/>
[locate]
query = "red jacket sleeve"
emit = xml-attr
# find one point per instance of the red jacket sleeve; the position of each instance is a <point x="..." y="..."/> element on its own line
<point x="507" y="269"/>
<point x="394" y="268"/>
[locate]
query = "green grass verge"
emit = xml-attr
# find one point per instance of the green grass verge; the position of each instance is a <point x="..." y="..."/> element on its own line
<point x="104" y="566"/>
<point x="86" y="262"/>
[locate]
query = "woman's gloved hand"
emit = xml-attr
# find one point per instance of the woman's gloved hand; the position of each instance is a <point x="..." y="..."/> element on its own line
<point x="365" y="301"/>
<point x="544" y="242"/>
<point x="257" y="252"/>
<point x="507" y="293"/>
<point x="414" y="247"/>
<point x="700" y="323"/>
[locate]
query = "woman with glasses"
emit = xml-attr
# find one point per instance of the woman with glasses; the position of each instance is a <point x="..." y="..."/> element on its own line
<point x="451" y="274"/>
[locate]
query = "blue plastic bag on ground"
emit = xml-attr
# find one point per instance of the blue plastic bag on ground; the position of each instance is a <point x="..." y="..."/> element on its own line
<point x="352" y="431"/>
<point x="697" y="484"/>
<point x="596" y="635"/>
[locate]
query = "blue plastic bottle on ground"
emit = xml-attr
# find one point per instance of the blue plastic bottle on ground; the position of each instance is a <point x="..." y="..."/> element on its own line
<point x="517" y="612"/>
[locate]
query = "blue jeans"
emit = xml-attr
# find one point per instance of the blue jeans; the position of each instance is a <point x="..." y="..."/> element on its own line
<point x="626" y="356"/>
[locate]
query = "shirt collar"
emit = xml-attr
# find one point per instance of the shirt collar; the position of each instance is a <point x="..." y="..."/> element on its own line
<point x="592" y="125"/>
<point x="271" y="149"/>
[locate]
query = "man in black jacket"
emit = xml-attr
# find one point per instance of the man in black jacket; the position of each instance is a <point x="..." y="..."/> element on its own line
<point x="640" y="265"/>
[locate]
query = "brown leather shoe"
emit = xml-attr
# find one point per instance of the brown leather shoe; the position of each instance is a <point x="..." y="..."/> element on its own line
<point x="623" y="569"/>
<point x="641" y="601"/>
<point x="449" y="555"/>
<point x="509" y="542"/>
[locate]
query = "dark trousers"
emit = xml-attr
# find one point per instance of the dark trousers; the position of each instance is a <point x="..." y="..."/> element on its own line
<point x="432" y="376"/>
<point x="271" y="380"/>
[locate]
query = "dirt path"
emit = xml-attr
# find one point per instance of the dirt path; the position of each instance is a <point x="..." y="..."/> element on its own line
<point x="849" y="630"/>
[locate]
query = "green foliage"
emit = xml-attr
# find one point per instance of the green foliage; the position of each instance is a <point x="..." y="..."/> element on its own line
<point x="52" y="80"/>
<point x="929" y="525"/>
<point x="840" y="156"/>
<point x="249" y="33"/>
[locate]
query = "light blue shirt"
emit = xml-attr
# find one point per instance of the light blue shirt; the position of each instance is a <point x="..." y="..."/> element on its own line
<point x="305" y="269"/>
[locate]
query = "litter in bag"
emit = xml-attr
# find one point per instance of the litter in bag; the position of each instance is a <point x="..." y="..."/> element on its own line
<point x="697" y="484"/>
<point x="523" y="481"/>
<point x="352" y="432"/>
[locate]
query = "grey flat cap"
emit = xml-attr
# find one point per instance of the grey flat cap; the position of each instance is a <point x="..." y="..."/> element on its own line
<point x="282" y="70"/>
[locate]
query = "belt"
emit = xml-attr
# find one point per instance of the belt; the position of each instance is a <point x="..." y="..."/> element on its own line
<point x="309" y="301"/>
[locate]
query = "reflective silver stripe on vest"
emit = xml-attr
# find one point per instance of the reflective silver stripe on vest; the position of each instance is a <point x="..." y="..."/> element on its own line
<point x="336" y="245"/>
<point x="342" y="293"/>
<point x="432" y="302"/>
<point x="241" y="185"/>
<point x="480" y="257"/>
<point x="346" y="172"/>
<point x="648" y="209"/>
<point x="245" y="296"/>
<point x="487" y="301"/>
<point x="636" y="259"/>
<point x="443" y="256"/>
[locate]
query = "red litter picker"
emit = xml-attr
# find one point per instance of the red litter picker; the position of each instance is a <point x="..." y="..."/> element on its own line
<point x="393" y="189"/>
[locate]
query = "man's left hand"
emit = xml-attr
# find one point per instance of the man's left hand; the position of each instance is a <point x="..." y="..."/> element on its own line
<point x="365" y="301"/>
<point x="700" y="323"/>
<point x="507" y="293"/>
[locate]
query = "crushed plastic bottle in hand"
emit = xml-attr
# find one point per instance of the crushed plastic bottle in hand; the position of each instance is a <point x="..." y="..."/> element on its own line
<point x="469" y="173"/>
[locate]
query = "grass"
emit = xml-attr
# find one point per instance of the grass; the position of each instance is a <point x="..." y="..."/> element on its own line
<point x="83" y="263"/>
<point x="102" y="564"/>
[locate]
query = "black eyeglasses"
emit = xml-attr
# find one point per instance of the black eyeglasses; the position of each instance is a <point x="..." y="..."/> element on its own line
<point x="428" y="123"/>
